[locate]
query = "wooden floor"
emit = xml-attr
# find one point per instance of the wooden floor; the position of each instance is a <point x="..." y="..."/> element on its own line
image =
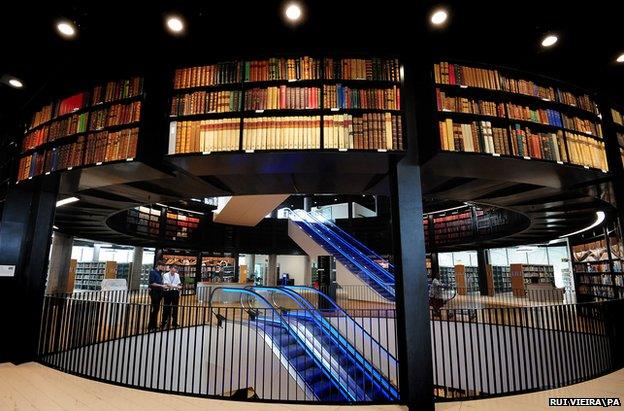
<point x="32" y="386"/>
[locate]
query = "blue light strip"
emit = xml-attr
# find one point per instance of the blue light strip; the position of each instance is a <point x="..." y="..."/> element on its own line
<point x="343" y="389"/>
<point x="376" y="378"/>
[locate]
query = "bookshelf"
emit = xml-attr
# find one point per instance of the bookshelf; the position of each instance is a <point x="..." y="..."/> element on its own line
<point x="180" y="225"/>
<point x="89" y="275"/>
<point x="218" y="269"/>
<point x="145" y="221"/>
<point x="497" y="112"/>
<point x="89" y="128"/>
<point x="466" y="279"/>
<point x="502" y="278"/>
<point x="597" y="265"/>
<point x="187" y="268"/>
<point x="522" y="275"/>
<point x="302" y="103"/>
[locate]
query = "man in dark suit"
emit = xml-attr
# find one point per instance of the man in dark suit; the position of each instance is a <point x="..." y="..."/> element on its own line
<point x="156" y="288"/>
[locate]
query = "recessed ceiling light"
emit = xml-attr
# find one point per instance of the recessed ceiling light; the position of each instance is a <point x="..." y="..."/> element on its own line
<point x="66" y="28"/>
<point x="620" y="58"/>
<point x="175" y="24"/>
<point x="439" y="17"/>
<point x="16" y="83"/>
<point x="66" y="201"/>
<point x="293" y="12"/>
<point x="550" y="40"/>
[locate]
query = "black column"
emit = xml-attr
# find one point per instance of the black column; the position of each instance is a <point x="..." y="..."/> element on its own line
<point x="435" y="266"/>
<point x="413" y="325"/>
<point x="612" y="148"/>
<point x="483" y="261"/>
<point x="25" y="237"/>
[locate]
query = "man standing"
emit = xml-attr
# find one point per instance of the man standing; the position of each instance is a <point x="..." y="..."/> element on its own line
<point x="156" y="288"/>
<point x="171" y="280"/>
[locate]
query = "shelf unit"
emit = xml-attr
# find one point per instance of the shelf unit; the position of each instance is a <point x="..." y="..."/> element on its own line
<point x="302" y="103"/>
<point x="87" y="129"/>
<point x="502" y="278"/>
<point x="497" y="112"/>
<point x="89" y="275"/>
<point x="597" y="264"/>
<point x="218" y="269"/>
<point x="523" y="274"/>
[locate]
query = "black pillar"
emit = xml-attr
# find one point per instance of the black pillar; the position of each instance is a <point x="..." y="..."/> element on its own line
<point x="307" y="203"/>
<point x="25" y="237"/>
<point x="483" y="261"/>
<point x="435" y="266"/>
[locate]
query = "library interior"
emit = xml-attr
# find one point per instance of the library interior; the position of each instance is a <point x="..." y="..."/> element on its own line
<point x="296" y="204"/>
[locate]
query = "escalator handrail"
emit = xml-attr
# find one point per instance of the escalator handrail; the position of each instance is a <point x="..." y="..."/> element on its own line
<point x="344" y="313"/>
<point x="342" y="342"/>
<point x="374" y="266"/>
<point x="388" y="287"/>
<point x="288" y="328"/>
<point x="330" y="223"/>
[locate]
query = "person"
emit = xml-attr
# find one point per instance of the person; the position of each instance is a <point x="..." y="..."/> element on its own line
<point x="171" y="280"/>
<point x="436" y="293"/>
<point x="156" y="288"/>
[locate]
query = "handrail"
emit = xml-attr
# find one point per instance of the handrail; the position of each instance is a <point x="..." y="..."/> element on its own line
<point x="344" y="313"/>
<point x="331" y="331"/>
<point x="371" y="273"/>
<point x="334" y="226"/>
<point x="289" y="329"/>
<point x="376" y="267"/>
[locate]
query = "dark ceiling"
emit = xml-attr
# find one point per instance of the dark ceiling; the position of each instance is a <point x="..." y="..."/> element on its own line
<point x="129" y="36"/>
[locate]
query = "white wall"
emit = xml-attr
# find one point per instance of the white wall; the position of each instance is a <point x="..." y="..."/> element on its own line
<point x="297" y="266"/>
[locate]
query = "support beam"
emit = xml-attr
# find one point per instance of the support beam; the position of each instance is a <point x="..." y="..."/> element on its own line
<point x="272" y="279"/>
<point x="134" y="280"/>
<point x="60" y="258"/>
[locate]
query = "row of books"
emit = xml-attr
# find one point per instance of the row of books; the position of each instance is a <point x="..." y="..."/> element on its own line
<point x="58" y="108"/>
<point x="301" y="68"/>
<point x="542" y="116"/>
<point x="282" y="133"/>
<point x="343" y="97"/>
<point x="292" y="69"/>
<point x="477" y="136"/>
<point x="35" y="138"/>
<point x="596" y="290"/>
<point x="617" y="117"/>
<point x="91" y="149"/>
<point x="604" y="279"/>
<point x="67" y="126"/>
<point x="370" y="131"/>
<point x="582" y="125"/>
<point x="466" y="105"/>
<point x="586" y="151"/>
<point x="216" y="74"/>
<point x="545" y="146"/>
<point x="375" y="69"/>
<point x="203" y="102"/>
<point x="117" y="90"/>
<point x="455" y="74"/>
<point x="204" y="136"/>
<point x="282" y="98"/>
<point x="115" y="115"/>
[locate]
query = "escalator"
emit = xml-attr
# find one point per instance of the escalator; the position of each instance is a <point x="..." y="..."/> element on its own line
<point x="326" y="361"/>
<point x="356" y="257"/>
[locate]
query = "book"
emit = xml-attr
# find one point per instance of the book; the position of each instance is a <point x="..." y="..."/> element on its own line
<point x="35" y="138"/>
<point x="460" y="75"/>
<point x="204" y="136"/>
<point x="203" y="102"/>
<point x="617" y="117"/>
<point x="301" y="68"/>
<point x="582" y="125"/>
<point x="527" y="87"/>
<point x="117" y="90"/>
<point x="475" y="136"/>
<point x="544" y="146"/>
<point x="468" y="105"/>
<point x="586" y="151"/>
<point x="282" y="98"/>
<point x="372" y="69"/>
<point x="282" y="133"/>
<point x="582" y="101"/>
<point x="535" y="115"/>
<point x="344" y="97"/>
<point x="67" y="126"/>
<point x="115" y="115"/>
<point x="369" y="131"/>
<point x="71" y="104"/>
<point x="42" y="116"/>
<point x="223" y="73"/>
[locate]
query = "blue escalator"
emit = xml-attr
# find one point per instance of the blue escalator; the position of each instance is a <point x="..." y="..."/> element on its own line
<point x="294" y="349"/>
<point x="349" y="369"/>
<point x="348" y="252"/>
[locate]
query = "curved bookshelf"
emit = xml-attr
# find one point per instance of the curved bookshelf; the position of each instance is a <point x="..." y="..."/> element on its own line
<point x="95" y="127"/>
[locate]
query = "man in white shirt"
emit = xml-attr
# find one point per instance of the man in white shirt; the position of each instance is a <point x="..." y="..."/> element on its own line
<point x="171" y="296"/>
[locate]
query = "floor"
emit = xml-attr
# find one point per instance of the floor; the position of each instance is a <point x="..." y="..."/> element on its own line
<point x="32" y="386"/>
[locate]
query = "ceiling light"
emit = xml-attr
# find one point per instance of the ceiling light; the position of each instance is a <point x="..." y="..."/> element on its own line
<point x="293" y="12"/>
<point x="439" y="17"/>
<point x="620" y="58"/>
<point x="16" y="83"/>
<point x="66" y="28"/>
<point x="67" y="200"/>
<point x="600" y="217"/>
<point x="550" y="40"/>
<point x="175" y="24"/>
